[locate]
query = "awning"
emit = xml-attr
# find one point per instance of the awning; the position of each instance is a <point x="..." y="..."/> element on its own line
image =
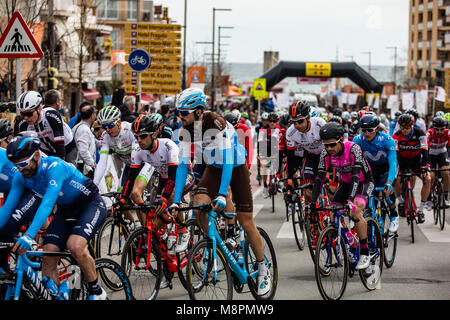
<point x="91" y="94"/>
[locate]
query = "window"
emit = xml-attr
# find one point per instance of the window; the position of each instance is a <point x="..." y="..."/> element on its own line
<point x="107" y="9"/>
<point x="132" y="10"/>
<point x="115" y="39"/>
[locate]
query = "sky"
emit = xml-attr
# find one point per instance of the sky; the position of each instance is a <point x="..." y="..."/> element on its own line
<point x="300" y="30"/>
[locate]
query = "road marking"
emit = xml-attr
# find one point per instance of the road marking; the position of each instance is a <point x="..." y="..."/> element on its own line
<point x="256" y="209"/>
<point x="432" y="232"/>
<point x="286" y="231"/>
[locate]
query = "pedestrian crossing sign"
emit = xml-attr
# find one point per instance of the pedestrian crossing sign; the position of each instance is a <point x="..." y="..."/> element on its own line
<point x="17" y="41"/>
<point x="259" y="88"/>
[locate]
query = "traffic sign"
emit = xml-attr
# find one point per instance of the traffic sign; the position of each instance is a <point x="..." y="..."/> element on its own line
<point x="156" y="51"/>
<point x="138" y="42"/>
<point x="259" y="88"/>
<point x="153" y="35"/>
<point x="153" y="89"/>
<point x="314" y="69"/>
<point x="17" y="41"/>
<point x="154" y="82"/>
<point x="154" y="75"/>
<point x="152" y="27"/>
<point x="139" y="60"/>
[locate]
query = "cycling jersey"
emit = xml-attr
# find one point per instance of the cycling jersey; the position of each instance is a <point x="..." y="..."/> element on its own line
<point x="353" y="130"/>
<point x="55" y="135"/>
<point x="381" y="150"/>
<point x="57" y="182"/>
<point x="437" y="143"/>
<point x="392" y="126"/>
<point x="351" y="166"/>
<point x="7" y="171"/>
<point x="309" y="140"/>
<point x="271" y="139"/>
<point x="245" y="138"/>
<point x="218" y="146"/>
<point x="122" y="145"/>
<point x="420" y="124"/>
<point x="413" y="146"/>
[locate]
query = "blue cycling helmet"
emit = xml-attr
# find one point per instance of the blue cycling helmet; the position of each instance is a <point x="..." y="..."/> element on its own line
<point x="191" y="98"/>
<point x="22" y="146"/>
<point x="369" y="121"/>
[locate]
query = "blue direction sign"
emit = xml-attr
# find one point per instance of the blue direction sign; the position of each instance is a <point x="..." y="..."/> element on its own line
<point x="139" y="60"/>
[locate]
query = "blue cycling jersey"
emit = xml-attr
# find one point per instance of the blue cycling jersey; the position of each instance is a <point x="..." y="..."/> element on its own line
<point x="57" y="182"/>
<point x="379" y="151"/>
<point x="392" y="125"/>
<point x="7" y="170"/>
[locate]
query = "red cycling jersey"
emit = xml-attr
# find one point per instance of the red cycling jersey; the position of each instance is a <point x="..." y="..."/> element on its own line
<point x="244" y="134"/>
<point x="437" y="143"/>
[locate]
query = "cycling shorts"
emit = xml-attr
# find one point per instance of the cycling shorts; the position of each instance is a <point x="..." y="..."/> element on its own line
<point x="413" y="164"/>
<point x="363" y="193"/>
<point x="309" y="167"/>
<point x="91" y="217"/>
<point x="438" y="160"/>
<point x="240" y="186"/>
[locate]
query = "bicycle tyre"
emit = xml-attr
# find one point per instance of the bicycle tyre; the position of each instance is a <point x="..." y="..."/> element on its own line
<point x="110" y="238"/>
<point x="272" y="266"/>
<point x="206" y="290"/>
<point x="328" y="288"/>
<point x="371" y="276"/>
<point x="410" y="216"/>
<point x="441" y="206"/>
<point x="435" y="201"/>
<point x="145" y="280"/>
<point x="389" y="241"/>
<point x="298" y="223"/>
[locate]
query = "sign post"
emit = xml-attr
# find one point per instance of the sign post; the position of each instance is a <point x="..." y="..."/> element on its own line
<point x="259" y="92"/>
<point x="139" y="60"/>
<point x="17" y="42"/>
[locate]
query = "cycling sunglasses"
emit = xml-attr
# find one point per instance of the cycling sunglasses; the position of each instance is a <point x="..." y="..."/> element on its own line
<point x="28" y="114"/>
<point x="185" y="113"/>
<point x="369" y="130"/>
<point x="298" y="121"/>
<point x="141" y="136"/>
<point x="273" y="121"/>
<point x="439" y="129"/>
<point x="405" y="127"/>
<point x="109" y="125"/>
<point x="25" y="163"/>
<point x="331" y="144"/>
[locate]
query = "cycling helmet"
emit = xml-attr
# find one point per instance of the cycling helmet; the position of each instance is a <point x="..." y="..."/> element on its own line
<point x="5" y="129"/>
<point x="369" y="121"/>
<point x="413" y="112"/>
<point x="383" y="117"/>
<point x="191" y="98"/>
<point x="284" y="119"/>
<point x="29" y="101"/>
<point x="397" y="114"/>
<point x="361" y="113"/>
<point x="440" y="114"/>
<point x="324" y="116"/>
<point x="299" y="108"/>
<point x="109" y="114"/>
<point x="346" y="115"/>
<point x="314" y="112"/>
<point x="354" y="114"/>
<point x="244" y="115"/>
<point x="265" y="116"/>
<point x="232" y="118"/>
<point x="273" y="116"/>
<point x="336" y="119"/>
<point x="439" y="122"/>
<point x="150" y="123"/>
<point x="331" y="130"/>
<point x="237" y="113"/>
<point x="406" y="119"/>
<point x="22" y="146"/>
<point x="447" y="116"/>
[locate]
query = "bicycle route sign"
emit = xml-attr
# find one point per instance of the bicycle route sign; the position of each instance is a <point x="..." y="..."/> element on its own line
<point x="139" y="60"/>
<point x="17" y="41"/>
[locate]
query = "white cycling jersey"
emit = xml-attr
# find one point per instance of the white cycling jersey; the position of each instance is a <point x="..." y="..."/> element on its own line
<point x="309" y="141"/>
<point x="166" y="154"/>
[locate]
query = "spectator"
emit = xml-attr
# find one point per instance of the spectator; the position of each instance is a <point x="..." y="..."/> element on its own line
<point x="76" y="119"/>
<point x="127" y="109"/>
<point x="52" y="98"/>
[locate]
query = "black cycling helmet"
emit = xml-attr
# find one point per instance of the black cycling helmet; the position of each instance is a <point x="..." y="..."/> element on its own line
<point x="336" y="119"/>
<point x="299" y="108"/>
<point x="439" y="122"/>
<point x="273" y="116"/>
<point x="369" y="121"/>
<point x="331" y="130"/>
<point x="284" y="119"/>
<point x="406" y="119"/>
<point x="150" y="123"/>
<point x="232" y="118"/>
<point x="5" y="129"/>
<point x="397" y="114"/>
<point x="413" y="112"/>
<point x="23" y="145"/>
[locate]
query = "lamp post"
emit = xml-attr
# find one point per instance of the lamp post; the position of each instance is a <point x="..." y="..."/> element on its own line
<point x="213" y="88"/>
<point x="219" y="49"/>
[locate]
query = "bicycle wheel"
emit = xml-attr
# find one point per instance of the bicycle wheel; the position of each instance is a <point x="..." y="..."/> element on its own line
<point x="389" y="241"/>
<point x="371" y="276"/>
<point x="410" y="214"/>
<point x="111" y="239"/>
<point x="298" y="223"/>
<point x="441" y="206"/>
<point x="271" y="265"/>
<point x="331" y="265"/>
<point x="200" y="277"/>
<point x="141" y="261"/>
<point x="435" y="201"/>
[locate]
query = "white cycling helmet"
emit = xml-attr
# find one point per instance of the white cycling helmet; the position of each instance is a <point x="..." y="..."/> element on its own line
<point x="191" y="98"/>
<point x="28" y="101"/>
<point x="108" y="114"/>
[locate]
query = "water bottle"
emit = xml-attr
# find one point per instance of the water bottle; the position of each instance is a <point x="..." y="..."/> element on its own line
<point x="351" y="256"/>
<point x="64" y="290"/>
<point x="171" y="240"/>
<point x="51" y="286"/>
<point x="355" y="239"/>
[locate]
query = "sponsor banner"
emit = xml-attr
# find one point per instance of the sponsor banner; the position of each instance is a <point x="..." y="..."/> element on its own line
<point x="195" y="74"/>
<point x="318" y="69"/>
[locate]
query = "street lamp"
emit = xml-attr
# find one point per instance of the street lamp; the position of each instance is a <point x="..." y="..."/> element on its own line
<point x="395" y="65"/>
<point x="370" y="59"/>
<point x="213" y="89"/>
<point x="221" y="44"/>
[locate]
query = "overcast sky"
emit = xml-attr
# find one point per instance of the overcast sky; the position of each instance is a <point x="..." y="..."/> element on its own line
<point x="300" y="30"/>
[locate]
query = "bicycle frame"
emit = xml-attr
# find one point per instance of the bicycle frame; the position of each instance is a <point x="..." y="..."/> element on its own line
<point x="375" y="215"/>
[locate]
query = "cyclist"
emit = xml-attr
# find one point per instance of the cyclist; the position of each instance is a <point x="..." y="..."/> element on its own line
<point x="271" y="141"/>
<point x="217" y="144"/>
<point x="158" y="154"/>
<point x="76" y="197"/>
<point x="303" y="133"/>
<point x="412" y="153"/>
<point x="55" y="135"/>
<point x="355" y="180"/>
<point x="393" y="122"/>
<point x="418" y="122"/>
<point x="380" y="152"/>
<point x="438" y="138"/>
<point x="262" y="124"/>
<point x="244" y="134"/>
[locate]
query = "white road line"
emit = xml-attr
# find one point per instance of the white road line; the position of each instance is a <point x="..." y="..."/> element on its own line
<point x="432" y="232"/>
<point x="286" y="231"/>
